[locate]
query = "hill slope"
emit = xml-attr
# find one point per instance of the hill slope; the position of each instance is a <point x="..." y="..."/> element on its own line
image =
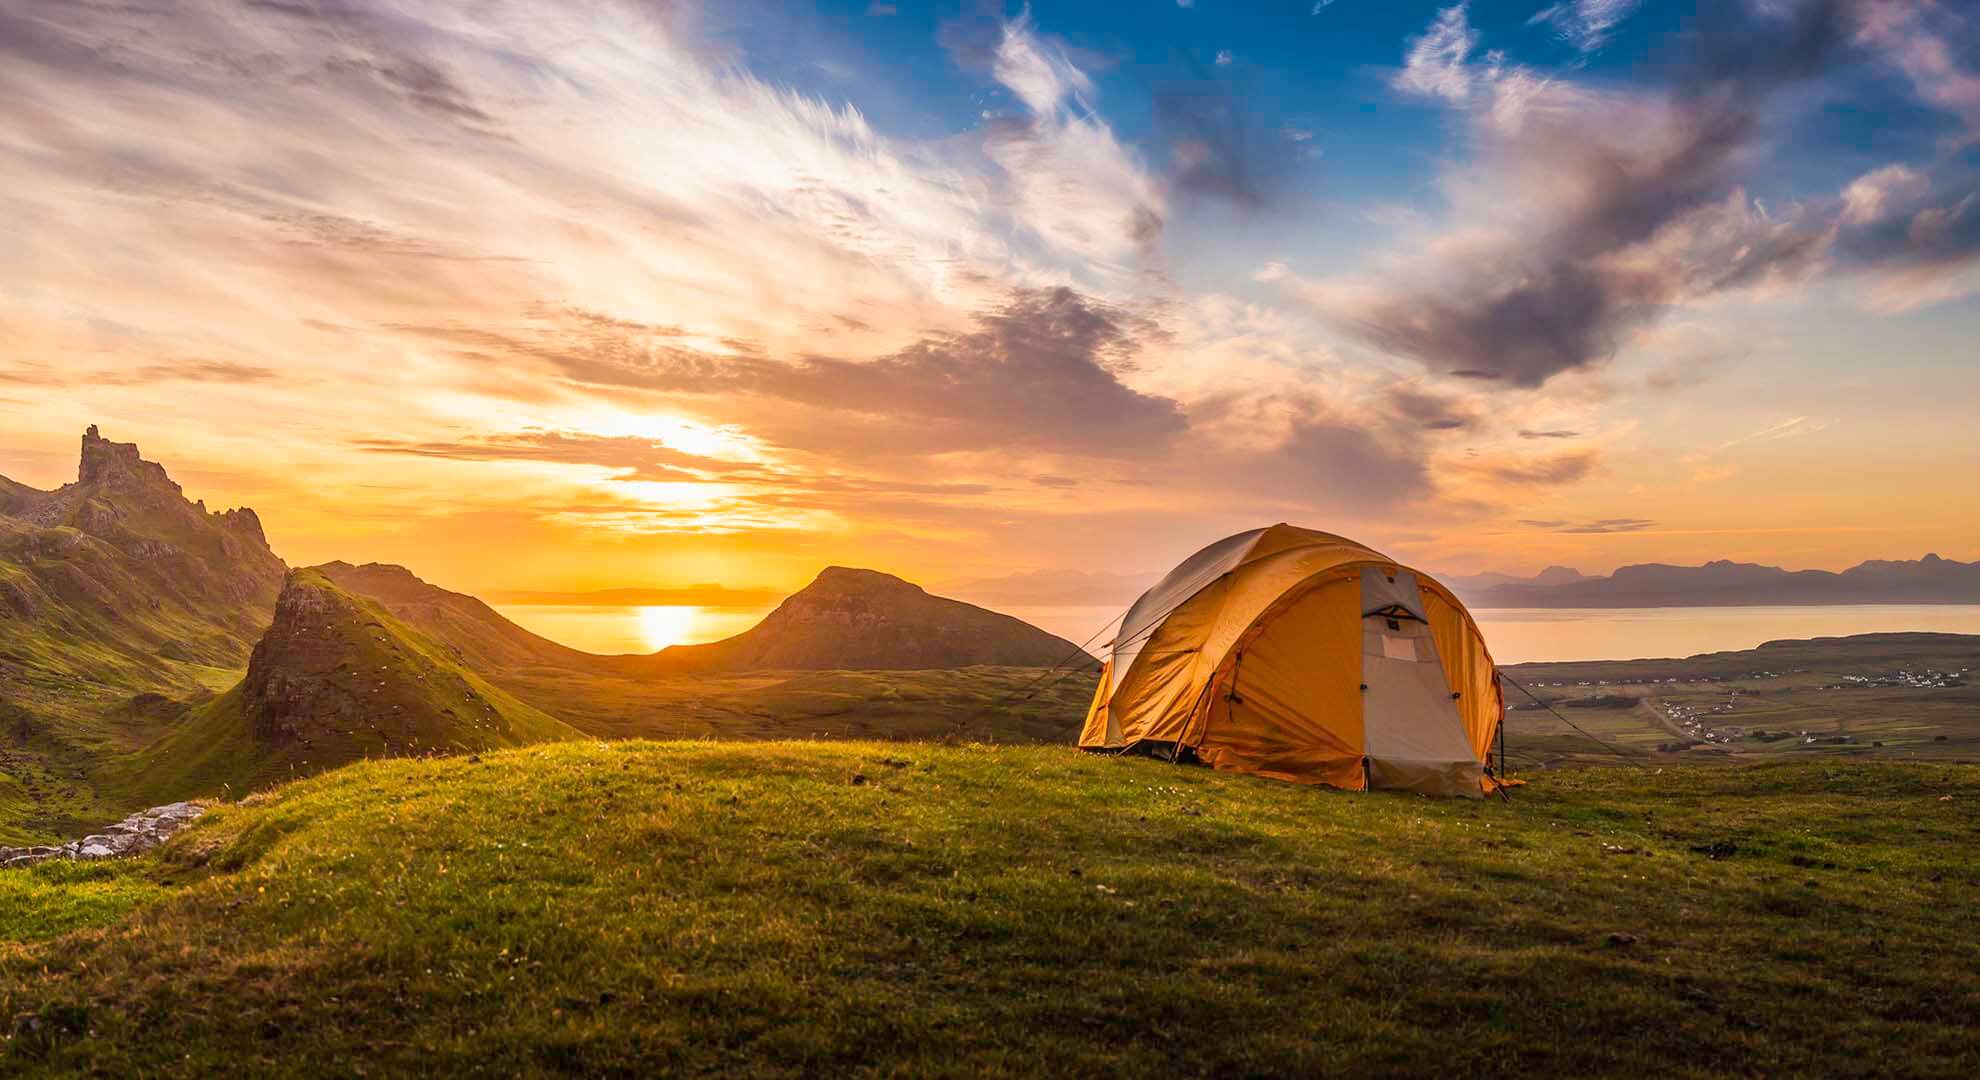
<point x="116" y="594"/>
<point x="846" y="909"/>
<point x="335" y="679"/>
<point x="485" y="640"/>
<point x="850" y="619"/>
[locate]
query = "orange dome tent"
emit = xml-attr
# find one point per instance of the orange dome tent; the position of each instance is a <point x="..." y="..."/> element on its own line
<point x="1306" y="657"/>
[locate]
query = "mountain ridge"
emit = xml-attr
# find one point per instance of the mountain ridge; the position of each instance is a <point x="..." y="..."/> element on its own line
<point x="1723" y="582"/>
<point x="479" y="634"/>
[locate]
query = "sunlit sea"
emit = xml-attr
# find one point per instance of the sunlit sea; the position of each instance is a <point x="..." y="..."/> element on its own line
<point x="1516" y="635"/>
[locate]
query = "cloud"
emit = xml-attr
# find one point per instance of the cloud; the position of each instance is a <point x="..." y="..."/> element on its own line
<point x="1437" y="63"/>
<point x="1933" y="44"/>
<point x="1432" y="411"/>
<point x="1528" y="433"/>
<point x="1605" y="525"/>
<point x="1216" y="147"/>
<point x="1586" y="24"/>
<point x="419" y="80"/>
<point x="1536" y="471"/>
<point x="1036" y="370"/>
<point x="1593" y="214"/>
<point x="629" y="458"/>
<point x="1869" y="197"/>
<point x="1074" y="184"/>
<point x="1041" y="75"/>
<point x="1339" y="466"/>
<point x="188" y="370"/>
<point x="1916" y="234"/>
<point x="1052" y="587"/>
<point x="1786" y="429"/>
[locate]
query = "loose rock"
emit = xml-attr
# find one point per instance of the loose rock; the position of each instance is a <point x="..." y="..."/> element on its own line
<point x="138" y="833"/>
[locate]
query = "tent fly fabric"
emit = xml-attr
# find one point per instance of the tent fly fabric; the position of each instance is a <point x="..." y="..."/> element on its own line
<point x="1303" y="656"/>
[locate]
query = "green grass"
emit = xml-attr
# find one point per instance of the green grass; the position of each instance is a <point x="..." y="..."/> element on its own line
<point x="987" y="704"/>
<point x="60" y="897"/>
<point x="802" y="908"/>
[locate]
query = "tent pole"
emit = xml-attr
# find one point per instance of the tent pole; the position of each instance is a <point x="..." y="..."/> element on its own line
<point x="1502" y="742"/>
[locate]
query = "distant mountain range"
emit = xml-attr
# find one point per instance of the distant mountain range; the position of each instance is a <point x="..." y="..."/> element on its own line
<point x="1553" y="575"/>
<point x="1930" y="580"/>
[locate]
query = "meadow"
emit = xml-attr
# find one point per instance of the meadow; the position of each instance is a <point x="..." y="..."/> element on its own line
<point x="857" y="908"/>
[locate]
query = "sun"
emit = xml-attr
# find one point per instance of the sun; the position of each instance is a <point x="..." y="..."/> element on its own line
<point x="662" y="626"/>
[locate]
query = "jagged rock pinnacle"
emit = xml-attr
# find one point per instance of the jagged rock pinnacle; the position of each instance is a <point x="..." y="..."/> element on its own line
<point x="118" y="465"/>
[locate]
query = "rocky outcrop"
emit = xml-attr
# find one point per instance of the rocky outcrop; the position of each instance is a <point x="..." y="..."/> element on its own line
<point x="335" y="664"/>
<point x="308" y="671"/>
<point x="134" y="835"/>
<point x="123" y="540"/>
<point x="116" y="466"/>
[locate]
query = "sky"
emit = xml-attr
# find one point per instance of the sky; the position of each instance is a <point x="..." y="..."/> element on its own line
<point x="584" y="294"/>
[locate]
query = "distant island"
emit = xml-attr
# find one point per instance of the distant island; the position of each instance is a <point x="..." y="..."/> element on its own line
<point x="1722" y="583"/>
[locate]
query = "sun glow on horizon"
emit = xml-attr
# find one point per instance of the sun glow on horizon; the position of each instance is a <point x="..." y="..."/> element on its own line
<point x="668" y="625"/>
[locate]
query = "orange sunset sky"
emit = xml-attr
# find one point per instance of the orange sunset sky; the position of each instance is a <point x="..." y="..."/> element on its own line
<point x="586" y="295"/>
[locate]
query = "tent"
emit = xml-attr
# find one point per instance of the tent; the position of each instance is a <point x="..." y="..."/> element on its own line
<point x="1307" y="657"/>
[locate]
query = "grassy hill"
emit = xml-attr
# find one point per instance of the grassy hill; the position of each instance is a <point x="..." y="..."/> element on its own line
<point x="335" y="679"/>
<point x="482" y="638"/>
<point x="802" y="909"/>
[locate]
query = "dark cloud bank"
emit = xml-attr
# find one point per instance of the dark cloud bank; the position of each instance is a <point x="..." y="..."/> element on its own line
<point x="1561" y="298"/>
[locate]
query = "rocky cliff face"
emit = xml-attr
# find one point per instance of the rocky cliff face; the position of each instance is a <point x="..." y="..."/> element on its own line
<point x="866" y="620"/>
<point x="307" y="670"/>
<point x="124" y="540"/>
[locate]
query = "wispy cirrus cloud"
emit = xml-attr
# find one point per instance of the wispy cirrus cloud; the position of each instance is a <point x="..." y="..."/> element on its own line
<point x="1586" y="24"/>
<point x="1598" y="527"/>
<point x="1438" y="61"/>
